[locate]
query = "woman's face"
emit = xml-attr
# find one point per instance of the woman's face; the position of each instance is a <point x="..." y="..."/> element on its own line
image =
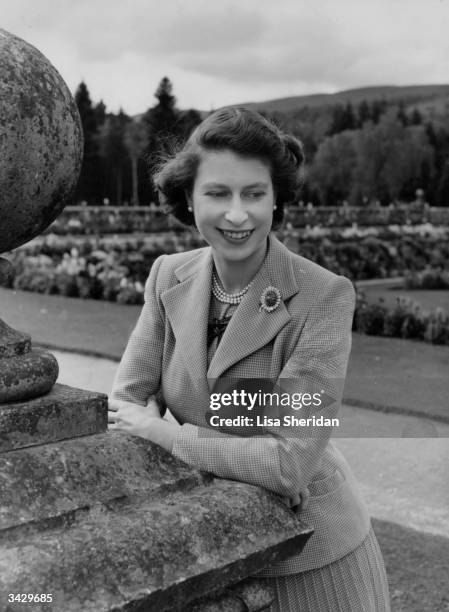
<point x="232" y="202"/>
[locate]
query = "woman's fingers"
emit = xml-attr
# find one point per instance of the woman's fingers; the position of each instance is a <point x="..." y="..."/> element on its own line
<point x="115" y="405"/>
<point x="300" y="502"/>
<point x="132" y="417"/>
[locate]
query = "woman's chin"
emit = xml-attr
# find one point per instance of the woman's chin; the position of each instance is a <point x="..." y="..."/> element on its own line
<point x="234" y="254"/>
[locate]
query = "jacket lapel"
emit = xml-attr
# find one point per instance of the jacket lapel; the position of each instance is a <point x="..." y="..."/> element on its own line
<point x="187" y="308"/>
<point x="251" y="328"/>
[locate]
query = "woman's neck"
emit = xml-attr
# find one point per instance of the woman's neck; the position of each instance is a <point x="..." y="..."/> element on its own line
<point x="236" y="275"/>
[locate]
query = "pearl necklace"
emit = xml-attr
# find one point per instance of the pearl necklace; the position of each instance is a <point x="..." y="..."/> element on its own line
<point x="227" y="298"/>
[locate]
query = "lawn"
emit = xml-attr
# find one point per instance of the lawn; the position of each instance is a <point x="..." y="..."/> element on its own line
<point x="401" y="375"/>
<point x="417" y="567"/>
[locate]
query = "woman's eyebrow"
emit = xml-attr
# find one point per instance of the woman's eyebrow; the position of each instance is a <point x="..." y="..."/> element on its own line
<point x="209" y="185"/>
<point x="261" y="185"/>
<point x="224" y="186"/>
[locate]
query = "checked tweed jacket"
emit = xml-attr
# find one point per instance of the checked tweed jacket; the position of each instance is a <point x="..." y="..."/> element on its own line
<point x="304" y="344"/>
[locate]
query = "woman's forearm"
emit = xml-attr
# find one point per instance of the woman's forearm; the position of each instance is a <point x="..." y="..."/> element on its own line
<point x="161" y="432"/>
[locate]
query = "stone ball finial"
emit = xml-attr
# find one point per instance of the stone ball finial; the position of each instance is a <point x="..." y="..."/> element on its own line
<point x="41" y="142"/>
<point x="41" y="149"/>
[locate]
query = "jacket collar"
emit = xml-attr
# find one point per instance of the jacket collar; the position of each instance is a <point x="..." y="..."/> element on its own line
<point x="187" y="308"/>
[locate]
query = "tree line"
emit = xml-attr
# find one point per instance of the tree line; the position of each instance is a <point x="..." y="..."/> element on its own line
<point x="375" y="151"/>
<point x="121" y="152"/>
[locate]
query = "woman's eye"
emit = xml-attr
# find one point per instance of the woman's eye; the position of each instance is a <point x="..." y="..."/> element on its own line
<point x="256" y="194"/>
<point x="216" y="194"/>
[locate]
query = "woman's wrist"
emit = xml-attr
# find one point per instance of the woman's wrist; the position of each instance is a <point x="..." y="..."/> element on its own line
<point x="161" y="432"/>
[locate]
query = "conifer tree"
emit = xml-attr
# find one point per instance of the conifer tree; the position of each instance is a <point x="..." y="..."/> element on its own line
<point x="89" y="185"/>
<point x="401" y="114"/>
<point x="442" y="190"/>
<point x="162" y="130"/>
<point x="162" y="118"/>
<point x="115" y="157"/>
<point x="416" y="118"/>
<point x="363" y="113"/>
<point x="349" y="119"/>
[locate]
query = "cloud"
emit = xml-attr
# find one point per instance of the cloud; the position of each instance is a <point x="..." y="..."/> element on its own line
<point x="101" y="30"/>
<point x="235" y="51"/>
<point x="354" y="44"/>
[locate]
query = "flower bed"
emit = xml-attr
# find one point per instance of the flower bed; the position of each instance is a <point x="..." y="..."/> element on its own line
<point x="344" y="216"/>
<point x="92" y="220"/>
<point x="406" y="320"/>
<point x="96" y="220"/>
<point x="363" y="253"/>
<point x="116" y="267"/>
<point x="110" y="268"/>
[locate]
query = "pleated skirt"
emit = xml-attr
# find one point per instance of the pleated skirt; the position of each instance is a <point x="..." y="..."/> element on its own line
<point x="354" y="583"/>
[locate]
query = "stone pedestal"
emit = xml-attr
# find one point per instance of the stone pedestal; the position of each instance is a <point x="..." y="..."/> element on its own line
<point x="24" y="373"/>
<point x="107" y="521"/>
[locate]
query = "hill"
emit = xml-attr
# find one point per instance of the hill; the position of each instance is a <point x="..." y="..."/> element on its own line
<point x="427" y="95"/>
<point x="428" y="99"/>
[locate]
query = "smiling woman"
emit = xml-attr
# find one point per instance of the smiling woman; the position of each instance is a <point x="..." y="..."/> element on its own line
<point x="233" y="212"/>
<point x="247" y="308"/>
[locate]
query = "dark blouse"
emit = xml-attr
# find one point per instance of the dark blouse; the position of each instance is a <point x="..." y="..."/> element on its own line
<point x="219" y="316"/>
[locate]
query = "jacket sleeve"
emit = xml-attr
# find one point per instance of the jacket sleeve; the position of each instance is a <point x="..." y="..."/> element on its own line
<point x="139" y="373"/>
<point x="286" y="459"/>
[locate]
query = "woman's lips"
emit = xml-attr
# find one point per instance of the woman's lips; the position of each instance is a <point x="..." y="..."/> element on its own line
<point x="236" y="236"/>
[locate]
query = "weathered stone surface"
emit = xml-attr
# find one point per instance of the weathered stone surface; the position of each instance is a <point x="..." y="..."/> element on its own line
<point x="153" y="555"/>
<point x="56" y="480"/>
<point x="27" y="376"/>
<point x="40" y="142"/>
<point x="12" y="342"/>
<point x="6" y="272"/>
<point x="63" y="413"/>
<point x="113" y="522"/>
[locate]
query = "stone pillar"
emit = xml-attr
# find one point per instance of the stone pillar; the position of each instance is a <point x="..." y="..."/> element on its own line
<point x="41" y="152"/>
<point x="91" y="520"/>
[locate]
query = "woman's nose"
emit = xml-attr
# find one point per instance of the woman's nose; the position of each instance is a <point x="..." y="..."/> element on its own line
<point x="236" y="214"/>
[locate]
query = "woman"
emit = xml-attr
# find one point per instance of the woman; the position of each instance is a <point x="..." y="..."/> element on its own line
<point x="247" y="308"/>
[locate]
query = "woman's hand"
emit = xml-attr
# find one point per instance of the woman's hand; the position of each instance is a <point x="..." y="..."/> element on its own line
<point x="143" y="421"/>
<point x="300" y="502"/>
<point x="131" y="417"/>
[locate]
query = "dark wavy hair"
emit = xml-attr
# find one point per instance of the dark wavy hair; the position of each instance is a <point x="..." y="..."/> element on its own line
<point x="246" y="133"/>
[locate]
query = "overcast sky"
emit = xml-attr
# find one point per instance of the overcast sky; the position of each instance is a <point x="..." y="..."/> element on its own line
<point x="219" y="52"/>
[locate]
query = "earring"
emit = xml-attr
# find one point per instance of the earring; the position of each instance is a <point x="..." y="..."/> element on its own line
<point x="274" y="207"/>
<point x="189" y="208"/>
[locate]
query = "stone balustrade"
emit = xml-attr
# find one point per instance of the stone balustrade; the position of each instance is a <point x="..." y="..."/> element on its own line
<point x="104" y="520"/>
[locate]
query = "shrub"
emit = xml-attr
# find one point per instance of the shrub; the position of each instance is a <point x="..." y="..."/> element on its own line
<point x="429" y="278"/>
<point x="369" y="318"/>
<point x="406" y="320"/>
<point x="437" y="328"/>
